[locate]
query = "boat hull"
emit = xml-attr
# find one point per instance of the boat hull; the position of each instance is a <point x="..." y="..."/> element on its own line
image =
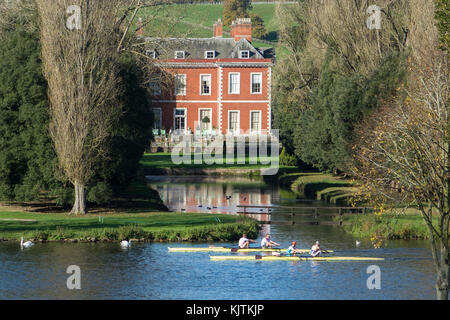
<point x="292" y="258"/>
<point x="222" y="249"/>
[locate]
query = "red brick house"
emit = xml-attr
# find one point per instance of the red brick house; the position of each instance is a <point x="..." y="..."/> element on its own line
<point x="212" y="85"/>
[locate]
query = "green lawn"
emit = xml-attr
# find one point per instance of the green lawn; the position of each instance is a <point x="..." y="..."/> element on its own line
<point x="116" y="226"/>
<point x="164" y="160"/>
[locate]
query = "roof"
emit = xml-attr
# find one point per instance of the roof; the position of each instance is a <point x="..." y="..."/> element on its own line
<point x="195" y="48"/>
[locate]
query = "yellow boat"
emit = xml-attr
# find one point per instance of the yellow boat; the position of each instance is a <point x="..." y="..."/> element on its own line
<point x="223" y="249"/>
<point x="293" y="258"/>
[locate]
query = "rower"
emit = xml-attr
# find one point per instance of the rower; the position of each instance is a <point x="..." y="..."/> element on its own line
<point x="293" y="249"/>
<point x="315" y="250"/>
<point x="244" y="242"/>
<point x="267" y="243"/>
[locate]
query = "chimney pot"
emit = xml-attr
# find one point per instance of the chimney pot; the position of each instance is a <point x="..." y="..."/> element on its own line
<point x="241" y="28"/>
<point x="218" y="29"/>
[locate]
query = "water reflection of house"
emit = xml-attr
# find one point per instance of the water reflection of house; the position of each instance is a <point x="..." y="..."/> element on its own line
<point x="221" y="195"/>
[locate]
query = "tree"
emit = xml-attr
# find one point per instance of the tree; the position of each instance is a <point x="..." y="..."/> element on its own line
<point x="27" y="160"/>
<point x="335" y="71"/>
<point x="128" y="139"/>
<point x="324" y="134"/>
<point x="233" y="9"/>
<point x="81" y="68"/>
<point x="402" y="156"/>
<point x="259" y="31"/>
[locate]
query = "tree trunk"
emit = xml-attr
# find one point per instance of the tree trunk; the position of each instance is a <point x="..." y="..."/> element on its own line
<point x="442" y="283"/>
<point x="79" y="206"/>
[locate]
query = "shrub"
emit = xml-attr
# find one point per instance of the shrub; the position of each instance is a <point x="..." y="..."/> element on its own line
<point x="287" y="159"/>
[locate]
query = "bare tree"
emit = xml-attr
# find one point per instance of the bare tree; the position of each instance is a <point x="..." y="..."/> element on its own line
<point x="81" y="68"/>
<point x="403" y="154"/>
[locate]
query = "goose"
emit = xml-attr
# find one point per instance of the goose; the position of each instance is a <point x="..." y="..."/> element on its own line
<point x="125" y="244"/>
<point x="358" y="243"/>
<point x="25" y="244"/>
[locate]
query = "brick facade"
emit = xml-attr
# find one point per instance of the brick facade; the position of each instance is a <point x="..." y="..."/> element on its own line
<point x="217" y="61"/>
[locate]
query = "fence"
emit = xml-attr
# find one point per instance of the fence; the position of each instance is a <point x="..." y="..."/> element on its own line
<point x="315" y="212"/>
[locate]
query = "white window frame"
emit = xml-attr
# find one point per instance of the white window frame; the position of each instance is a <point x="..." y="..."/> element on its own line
<point x="260" y="121"/>
<point x="210" y="118"/>
<point x="176" y="84"/>
<point x="239" y="121"/>
<point x="210" y="51"/>
<point x="157" y="82"/>
<point x="251" y="83"/>
<point x="242" y="51"/>
<point x="210" y="84"/>
<point x="229" y="83"/>
<point x="175" y="116"/>
<point x="160" y="117"/>
<point x="183" y="52"/>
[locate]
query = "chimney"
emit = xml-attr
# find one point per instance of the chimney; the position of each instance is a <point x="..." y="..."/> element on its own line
<point x="140" y="28"/>
<point x="218" y="29"/>
<point x="241" y="28"/>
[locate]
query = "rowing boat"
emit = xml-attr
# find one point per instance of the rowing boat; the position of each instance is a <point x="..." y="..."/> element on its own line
<point x="293" y="258"/>
<point x="224" y="249"/>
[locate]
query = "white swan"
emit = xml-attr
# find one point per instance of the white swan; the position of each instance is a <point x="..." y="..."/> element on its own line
<point x="26" y="244"/>
<point x="125" y="244"/>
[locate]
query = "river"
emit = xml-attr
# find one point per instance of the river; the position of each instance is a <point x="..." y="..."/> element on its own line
<point x="149" y="271"/>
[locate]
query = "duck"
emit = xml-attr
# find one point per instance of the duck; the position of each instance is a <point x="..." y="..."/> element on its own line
<point x="125" y="244"/>
<point x="25" y="244"/>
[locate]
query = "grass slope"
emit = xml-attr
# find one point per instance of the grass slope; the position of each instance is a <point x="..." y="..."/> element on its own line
<point x="196" y="21"/>
<point x="157" y="226"/>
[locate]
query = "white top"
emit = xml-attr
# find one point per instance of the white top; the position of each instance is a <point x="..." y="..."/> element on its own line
<point x="265" y="242"/>
<point x="241" y="242"/>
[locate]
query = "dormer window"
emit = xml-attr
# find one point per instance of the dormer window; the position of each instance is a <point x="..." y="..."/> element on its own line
<point x="179" y="54"/>
<point x="151" y="54"/>
<point x="210" y="54"/>
<point x="244" y="54"/>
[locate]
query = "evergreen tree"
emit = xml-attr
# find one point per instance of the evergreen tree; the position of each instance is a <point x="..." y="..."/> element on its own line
<point x="27" y="160"/>
<point x="323" y="135"/>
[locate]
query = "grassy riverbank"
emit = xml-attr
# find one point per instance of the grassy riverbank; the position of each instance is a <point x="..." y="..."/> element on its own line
<point x="138" y="213"/>
<point x="320" y="186"/>
<point x="407" y="225"/>
<point x="158" y="226"/>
